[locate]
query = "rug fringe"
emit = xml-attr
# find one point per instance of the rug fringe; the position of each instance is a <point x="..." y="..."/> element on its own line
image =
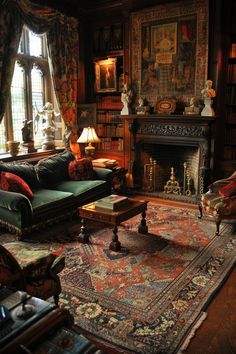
<point x="191" y="334"/>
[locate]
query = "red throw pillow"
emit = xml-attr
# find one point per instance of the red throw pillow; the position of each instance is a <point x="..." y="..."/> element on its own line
<point x="13" y="183"/>
<point x="80" y="170"/>
<point x="228" y="190"/>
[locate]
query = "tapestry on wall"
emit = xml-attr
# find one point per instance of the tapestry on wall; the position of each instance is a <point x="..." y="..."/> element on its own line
<point x="170" y="50"/>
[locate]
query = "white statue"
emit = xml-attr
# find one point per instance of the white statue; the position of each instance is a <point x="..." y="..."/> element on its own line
<point x="47" y="114"/>
<point x="126" y="98"/>
<point x="208" y="93"/>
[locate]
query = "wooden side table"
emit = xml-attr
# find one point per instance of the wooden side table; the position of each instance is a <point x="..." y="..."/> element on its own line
<point x="114" y="218"/>
<point x="118" y="179"/>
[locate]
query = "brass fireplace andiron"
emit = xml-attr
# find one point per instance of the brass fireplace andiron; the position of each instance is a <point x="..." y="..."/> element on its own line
<point x="172" y="185"/>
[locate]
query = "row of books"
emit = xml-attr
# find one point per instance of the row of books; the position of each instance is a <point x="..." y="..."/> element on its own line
<point x="111" y="144"/>
<point x="108" y="116"/>
<point x="110" y="130"/>
<point x="112" y="202"/>
<point x="230" y="116"/>
<point x="231" y="95"/>
<point x="233" y="50"/>
<point x="229" y="153"/>
<point x="108" y="38"/>
<point x="231" y="75"/>
<point x="230" y="136"/>
<point x="111" y="102"/>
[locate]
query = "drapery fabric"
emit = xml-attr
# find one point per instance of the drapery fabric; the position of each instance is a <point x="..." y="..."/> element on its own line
<point x="63" y="47"/>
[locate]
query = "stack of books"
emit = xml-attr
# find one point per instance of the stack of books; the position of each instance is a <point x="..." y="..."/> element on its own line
<point x="113" y="202"/>
<point x="107" y="163"/>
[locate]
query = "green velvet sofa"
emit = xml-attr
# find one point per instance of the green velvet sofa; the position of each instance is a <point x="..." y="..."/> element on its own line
<point x="55" y="195"/>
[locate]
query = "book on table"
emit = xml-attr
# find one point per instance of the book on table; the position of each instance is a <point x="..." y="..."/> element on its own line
<point x="102" y="162"/>
<point x="111" y="202"/>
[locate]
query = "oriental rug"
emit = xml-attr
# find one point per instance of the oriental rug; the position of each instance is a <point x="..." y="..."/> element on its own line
<point x="147" y="298"/>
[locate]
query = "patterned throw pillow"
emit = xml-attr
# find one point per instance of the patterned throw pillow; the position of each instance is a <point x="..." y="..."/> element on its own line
<point x="13" y="183"/>
<point x="80" y="170"/>
<point x="229" y="190"/>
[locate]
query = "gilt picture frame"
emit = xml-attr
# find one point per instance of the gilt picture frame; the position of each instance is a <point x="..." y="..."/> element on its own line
<point x="105" y="75"/>
<point x="86" y="115"/>
<point x="170" y="50"/>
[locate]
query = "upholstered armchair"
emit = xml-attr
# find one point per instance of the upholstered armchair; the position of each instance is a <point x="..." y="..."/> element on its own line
<point x="33" y="270"/>
<point x="220" y="201"/>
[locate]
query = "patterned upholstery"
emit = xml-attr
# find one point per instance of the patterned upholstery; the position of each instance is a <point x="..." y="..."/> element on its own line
<point x="35" y="271"/>
<point x="220" y="207"/>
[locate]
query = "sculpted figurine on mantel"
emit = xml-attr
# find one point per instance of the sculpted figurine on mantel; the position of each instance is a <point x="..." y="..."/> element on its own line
<point x="208" y="93"/>
<point x="126" y="99"/>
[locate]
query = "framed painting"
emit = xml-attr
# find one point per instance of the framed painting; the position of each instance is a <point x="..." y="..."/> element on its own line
<point x="170" y="50"/>
<point x="86" y="115"/>
<point x="105" y="75"/>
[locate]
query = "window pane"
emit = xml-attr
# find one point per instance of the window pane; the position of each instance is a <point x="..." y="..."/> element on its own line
<point x="35" y="44"/>
<point x="21" y="46"/>
<point x="37" y="100"/>
<point x="18" y="101"/>
<point x="2" y="137"/>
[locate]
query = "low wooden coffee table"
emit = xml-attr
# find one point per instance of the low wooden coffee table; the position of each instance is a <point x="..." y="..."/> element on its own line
<point x="114" y="218"/>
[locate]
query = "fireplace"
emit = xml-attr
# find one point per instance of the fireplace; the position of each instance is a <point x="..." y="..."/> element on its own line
<point x="171" y="150"/>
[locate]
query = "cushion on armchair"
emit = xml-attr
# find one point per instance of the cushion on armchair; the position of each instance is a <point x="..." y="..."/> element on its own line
<point x="35" y="263"/>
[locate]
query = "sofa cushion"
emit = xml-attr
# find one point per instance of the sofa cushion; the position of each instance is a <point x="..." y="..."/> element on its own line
<point x="81" y="169"/>
<point x="53" y="169"/>
<point x="229" y="190"/>
<point x="22" y="169"/>
<point x="49" y="204"/>
<point x="84" y="191"/>
<point x="13" y="183"/>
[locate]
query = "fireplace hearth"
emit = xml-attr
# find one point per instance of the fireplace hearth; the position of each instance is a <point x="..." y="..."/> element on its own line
<point x="178" y="145"/>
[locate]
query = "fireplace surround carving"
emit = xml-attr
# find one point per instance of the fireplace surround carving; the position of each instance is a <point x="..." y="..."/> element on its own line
<point x="195" y="132"/>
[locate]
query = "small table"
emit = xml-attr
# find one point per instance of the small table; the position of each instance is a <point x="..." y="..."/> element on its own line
<point x="114" y="218"/>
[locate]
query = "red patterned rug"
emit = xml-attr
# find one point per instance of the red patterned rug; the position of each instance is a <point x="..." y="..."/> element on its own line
<point x="146" y="299"/>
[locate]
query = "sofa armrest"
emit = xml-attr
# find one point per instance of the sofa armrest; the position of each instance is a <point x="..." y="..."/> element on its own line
<point x="15" y="202"/>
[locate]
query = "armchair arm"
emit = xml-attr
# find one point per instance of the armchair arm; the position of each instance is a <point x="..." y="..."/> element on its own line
<point x="215" y="186"/>
<point x="11" y="273"/>
<point x="57" y="265"/>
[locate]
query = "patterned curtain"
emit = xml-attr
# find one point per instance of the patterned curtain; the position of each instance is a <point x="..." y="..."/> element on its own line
<point x="64" y="52"/>
<point x="63" y="46"/>
<point x="10" y="32"/>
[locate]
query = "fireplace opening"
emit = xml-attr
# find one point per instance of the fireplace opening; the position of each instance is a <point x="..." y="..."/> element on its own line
<point x="170" y="171"/>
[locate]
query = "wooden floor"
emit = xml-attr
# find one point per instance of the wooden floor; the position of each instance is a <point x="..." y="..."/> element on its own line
<point x="217" y="334"/>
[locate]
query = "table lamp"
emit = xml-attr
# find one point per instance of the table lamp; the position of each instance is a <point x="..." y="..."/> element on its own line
<point x="89" y="136"/>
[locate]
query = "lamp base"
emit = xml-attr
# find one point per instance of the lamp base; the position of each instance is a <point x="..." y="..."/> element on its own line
<point x="89" y="150"/>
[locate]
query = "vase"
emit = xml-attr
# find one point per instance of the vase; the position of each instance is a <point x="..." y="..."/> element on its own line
<point x="13" y="147"/>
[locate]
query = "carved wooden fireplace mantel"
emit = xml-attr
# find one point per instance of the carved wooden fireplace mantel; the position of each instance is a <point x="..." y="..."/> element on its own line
<point x="171" y="130"/>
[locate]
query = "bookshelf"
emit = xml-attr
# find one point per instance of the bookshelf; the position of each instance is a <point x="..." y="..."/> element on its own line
<point x="108" y="43"/>
<point x="229" y="150"/>
<point x="110" y="128"/>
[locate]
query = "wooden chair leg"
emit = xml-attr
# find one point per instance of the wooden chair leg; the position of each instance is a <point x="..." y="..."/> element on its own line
<point x="218" y="227"/>
<point x="56" y="299"/>
<point x="200" y="211"/>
